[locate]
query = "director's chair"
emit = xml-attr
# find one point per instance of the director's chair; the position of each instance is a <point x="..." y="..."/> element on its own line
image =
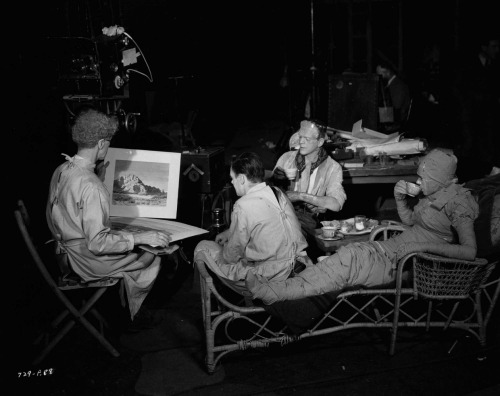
<point x="62" y="324"/>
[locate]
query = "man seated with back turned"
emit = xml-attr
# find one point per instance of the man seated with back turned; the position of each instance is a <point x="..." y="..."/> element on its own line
<point x="264" y="235"/>
<point x="317" y="186"/>
<point x="78" y="210"/>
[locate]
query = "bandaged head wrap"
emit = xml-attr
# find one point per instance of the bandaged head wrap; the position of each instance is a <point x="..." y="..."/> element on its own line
<point x="437" y="169"/>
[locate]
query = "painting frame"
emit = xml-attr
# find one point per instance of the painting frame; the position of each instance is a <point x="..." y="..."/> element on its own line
<point x="142" y="183"/>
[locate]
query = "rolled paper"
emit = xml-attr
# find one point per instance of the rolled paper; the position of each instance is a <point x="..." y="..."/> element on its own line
<point x="405" y="146"/>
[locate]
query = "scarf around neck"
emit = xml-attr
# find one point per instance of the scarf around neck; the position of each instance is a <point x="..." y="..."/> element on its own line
<point x="301" y="161"/>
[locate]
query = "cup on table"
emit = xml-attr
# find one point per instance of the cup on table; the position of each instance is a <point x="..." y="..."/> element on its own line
<point x="360" y="222"/>
<point x="412" y="189"/>
<point x="329" y="231"/>
<point x="291" y="173"/>
<point x="345" y="227"/>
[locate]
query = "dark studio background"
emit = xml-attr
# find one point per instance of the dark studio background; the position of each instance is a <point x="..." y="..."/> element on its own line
<point x="231" y="56"/>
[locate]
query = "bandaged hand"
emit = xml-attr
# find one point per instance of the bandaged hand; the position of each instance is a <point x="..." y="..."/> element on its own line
<point x="400" y="190"/>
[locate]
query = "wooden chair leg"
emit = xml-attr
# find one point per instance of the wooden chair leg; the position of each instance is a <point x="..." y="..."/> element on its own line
<point x="394" y="330"/>
<point x="428" y="318"/>
<point x="54" y="342"/>
<point x="78" y="316"/>
<point x="105" y="343"/>
<point x="480" y="319"/>
<point x="53" y="325"/>
<point x="450" y="317"/>
<point x="100" y="319"/>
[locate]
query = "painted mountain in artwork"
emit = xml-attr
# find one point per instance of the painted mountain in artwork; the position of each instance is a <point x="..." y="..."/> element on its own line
<point x="131" y="184"/>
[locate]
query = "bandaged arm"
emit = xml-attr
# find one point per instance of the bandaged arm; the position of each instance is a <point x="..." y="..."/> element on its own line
<point x="404" y="212"/>
<point x="465" y="250"/>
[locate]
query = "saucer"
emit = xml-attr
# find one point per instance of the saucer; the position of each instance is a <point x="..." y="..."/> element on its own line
<point x="335" y="238"/>
<point x="371" y="225"/>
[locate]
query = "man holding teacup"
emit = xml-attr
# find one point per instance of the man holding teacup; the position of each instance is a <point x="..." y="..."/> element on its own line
<point x="315" y="178"/>
<point x="442" y="223"/>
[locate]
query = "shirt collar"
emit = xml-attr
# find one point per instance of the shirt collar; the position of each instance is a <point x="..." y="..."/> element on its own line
<point x="257" y="187"/>
<point x="80" y="161"/>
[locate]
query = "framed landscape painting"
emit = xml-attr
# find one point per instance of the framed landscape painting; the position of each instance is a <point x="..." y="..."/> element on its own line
<point x="142" y="183"/>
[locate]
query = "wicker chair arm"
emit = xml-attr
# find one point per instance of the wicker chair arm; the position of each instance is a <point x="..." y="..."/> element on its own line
<point x="384" y="228"/>
<point x="443" y="259"/>
<point x="393" y="222"/>
<point x="449" y="278"/>
<point x="203" y="271"/>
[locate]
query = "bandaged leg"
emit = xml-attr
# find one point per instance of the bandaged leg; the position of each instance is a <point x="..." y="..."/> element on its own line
<point x="352" y="265"/>
<point x="326" y="276"/>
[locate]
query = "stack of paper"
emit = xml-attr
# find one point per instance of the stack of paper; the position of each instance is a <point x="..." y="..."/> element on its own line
<point x="374" y="143"/>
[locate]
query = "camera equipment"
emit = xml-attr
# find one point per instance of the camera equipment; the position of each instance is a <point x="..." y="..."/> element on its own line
<point x="99" y="67"/>
<point x="96" y="72"/>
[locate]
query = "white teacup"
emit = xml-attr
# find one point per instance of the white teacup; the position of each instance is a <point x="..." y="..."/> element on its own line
<point x="412" y="189"/>
<point x="291" y="173"/>
<point x="329" y="232"/>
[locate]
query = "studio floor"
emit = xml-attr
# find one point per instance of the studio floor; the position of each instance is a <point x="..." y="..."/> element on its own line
<point x="167" y="358"/>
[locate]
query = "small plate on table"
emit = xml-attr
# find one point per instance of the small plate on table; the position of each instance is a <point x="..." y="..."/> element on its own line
<point x="337" y="237"/>
<point x="372" y="223"/>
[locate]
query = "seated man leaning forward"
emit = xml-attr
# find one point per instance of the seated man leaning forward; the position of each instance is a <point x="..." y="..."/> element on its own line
<point x="317" y="186"/>
<point x="441" y="223"/>
<point x="78" y="216"/>
<point x="264" y="237"/>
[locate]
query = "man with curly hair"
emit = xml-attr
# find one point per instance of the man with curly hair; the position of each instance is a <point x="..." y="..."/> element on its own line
<point x="77" y="213"/>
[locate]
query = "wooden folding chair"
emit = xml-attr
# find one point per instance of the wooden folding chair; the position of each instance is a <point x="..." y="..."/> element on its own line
<point x="62" y="324"/>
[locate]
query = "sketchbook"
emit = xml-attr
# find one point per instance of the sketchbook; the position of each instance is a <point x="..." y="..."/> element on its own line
<point x="176" y="230"/>
<point x="159" y="250"/>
